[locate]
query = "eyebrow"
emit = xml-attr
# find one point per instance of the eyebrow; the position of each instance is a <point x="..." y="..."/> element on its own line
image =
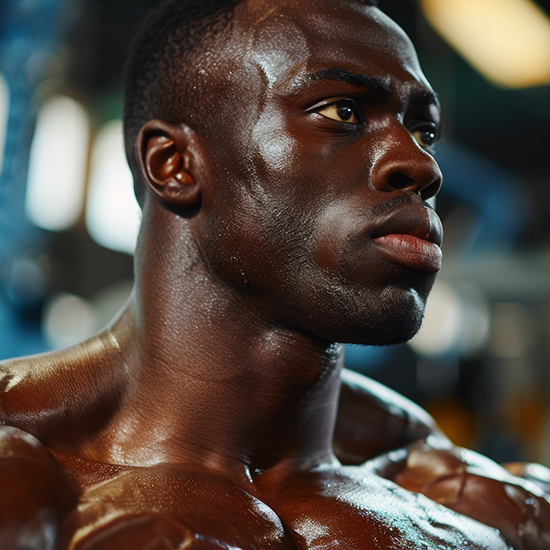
<point x="424" y="96"/>
<point x="360" y="80"/>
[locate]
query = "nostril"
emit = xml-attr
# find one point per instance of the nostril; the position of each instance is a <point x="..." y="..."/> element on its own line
<point x="431" y="190"/>
<point x="400" y="181"/>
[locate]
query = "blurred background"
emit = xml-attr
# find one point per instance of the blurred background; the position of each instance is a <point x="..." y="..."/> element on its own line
<point x="68" y="219"/>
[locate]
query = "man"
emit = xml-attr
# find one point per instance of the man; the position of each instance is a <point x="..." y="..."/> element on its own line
<point x="281" y="152"/>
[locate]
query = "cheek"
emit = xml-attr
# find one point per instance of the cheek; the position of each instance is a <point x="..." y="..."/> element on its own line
<point x="254" y="240"/>
<point x="310" y="198"/>
<point x="333" y="232"/>
<point x="343" y="249"/>
<point x="275" y="152"/>
<point x="272" y="153"/>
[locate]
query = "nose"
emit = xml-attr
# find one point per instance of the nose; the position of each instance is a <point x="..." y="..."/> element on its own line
<point x="402" y="164"/>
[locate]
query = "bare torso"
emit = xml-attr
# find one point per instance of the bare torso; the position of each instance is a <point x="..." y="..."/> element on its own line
<point x="97" y="506"/>
<point x="376" y="504"/>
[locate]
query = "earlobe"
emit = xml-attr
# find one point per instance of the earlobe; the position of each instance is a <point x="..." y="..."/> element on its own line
<point x="165" y="152"/>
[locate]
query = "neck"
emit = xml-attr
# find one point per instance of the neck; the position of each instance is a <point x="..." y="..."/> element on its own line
<point x="214" y="382"/>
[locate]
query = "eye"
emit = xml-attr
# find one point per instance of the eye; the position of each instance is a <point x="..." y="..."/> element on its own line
<point x="425" y="135"/>
<point x="344" y="110"/>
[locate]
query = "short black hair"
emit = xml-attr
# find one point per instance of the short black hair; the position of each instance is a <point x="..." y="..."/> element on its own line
<point x="170" y="52"/>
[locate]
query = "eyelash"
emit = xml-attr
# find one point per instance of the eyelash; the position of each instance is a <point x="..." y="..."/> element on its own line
<point x="351" y="103"/>
<point x="345" y="102"/>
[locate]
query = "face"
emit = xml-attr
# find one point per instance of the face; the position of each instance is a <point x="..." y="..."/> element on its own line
<point x="321" y="150"/>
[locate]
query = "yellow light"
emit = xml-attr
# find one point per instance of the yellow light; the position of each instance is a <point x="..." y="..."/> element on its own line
<point x="508" y="41"/>
<point x="456" y="322"/>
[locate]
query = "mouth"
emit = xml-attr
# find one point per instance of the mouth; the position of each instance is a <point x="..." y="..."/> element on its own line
<point x="411" y="236"/>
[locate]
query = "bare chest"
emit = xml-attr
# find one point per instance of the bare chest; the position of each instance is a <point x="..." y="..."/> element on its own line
<point x="317" y="510"/>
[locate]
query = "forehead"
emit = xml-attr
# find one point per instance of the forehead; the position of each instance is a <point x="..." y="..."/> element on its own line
<point x="286" y="39"/>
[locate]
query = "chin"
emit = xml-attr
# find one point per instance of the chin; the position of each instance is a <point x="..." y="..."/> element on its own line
<point x="395" y="331"/>
<point x="385" y="319"/>
<point x="387" y="330"/>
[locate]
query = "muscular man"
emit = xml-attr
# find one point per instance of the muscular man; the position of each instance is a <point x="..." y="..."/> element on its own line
<point x="282" y="156"/>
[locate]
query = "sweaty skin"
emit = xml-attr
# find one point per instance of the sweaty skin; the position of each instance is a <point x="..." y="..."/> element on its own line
<point x="213" y="413"/>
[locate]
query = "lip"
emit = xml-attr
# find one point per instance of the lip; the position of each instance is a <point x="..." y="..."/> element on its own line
<point x="411" y="236"/>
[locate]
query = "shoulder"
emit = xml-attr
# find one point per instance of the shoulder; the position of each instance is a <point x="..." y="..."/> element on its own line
<point x="373" y="419"/>
<point x="59" y="392"/>
<point x="475" y="486"/>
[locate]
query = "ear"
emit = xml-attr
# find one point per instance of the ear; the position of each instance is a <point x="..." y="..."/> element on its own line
<point x="167" y="154"/>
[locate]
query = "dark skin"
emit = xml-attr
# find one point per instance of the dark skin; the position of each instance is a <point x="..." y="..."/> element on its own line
<point x="208" y="414"/>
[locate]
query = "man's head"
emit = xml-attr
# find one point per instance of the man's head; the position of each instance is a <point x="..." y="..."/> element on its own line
<point x="305" y="134"/>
